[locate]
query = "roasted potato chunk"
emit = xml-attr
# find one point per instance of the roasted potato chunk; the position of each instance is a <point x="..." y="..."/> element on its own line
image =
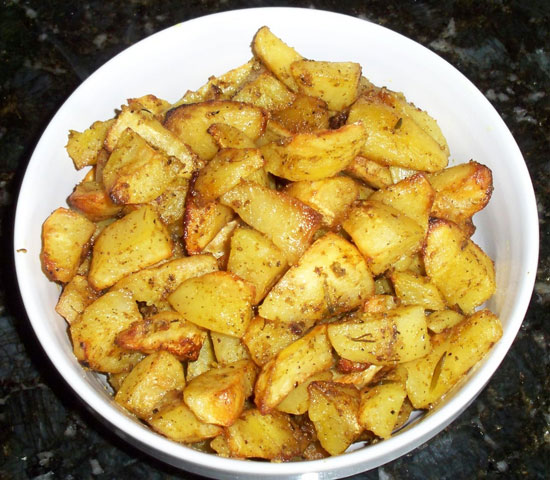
<point x="265" y="91"/>
<point x="228" y="349"/>
<point x="84" y="147"/>
<point x="91" y="199"/>
<point x="66" y="238"/>
<point x="165" y="331"/>
<point x="76" y="296"/>
<point x="219" y="301"/>
<point x="150" y="381"/>
<point x="413" y="289"/>
<point x="135" y="241"/>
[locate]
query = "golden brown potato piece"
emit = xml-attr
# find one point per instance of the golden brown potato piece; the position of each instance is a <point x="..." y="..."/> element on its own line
<point x="170" y="205"/>
<point x="144" y="124"/>
<point x="297" y="401"/>
<point x="220" y="246"/>
<point x="461" y="191"/>
<point x="154" y="284"/>
<point x="380" y="303"/>
<point x="131" y="243"/>
<point x="265" y="91"/>
<point x="304" y="115"/>
<point x="337" y="83"/>
<point x="331" y="197"/>
<point x="205" y="361"/>
<point x="414" y="289"/>
<point x="276" y="55"/>
<point x="331" y="278"/>
<point x="144" y="389"/>
<point x="91" y="199"/>
<point x="219" y="301"/>
<point x="66" y="237"/>
<point x="462" y="272"/>
<point x="293" y="365"/>
<point x="265" y="339"/>
<point x="454" y="353"/>
<point x="372" y="173"/>
<point x="94" y="332"/>
<point x="201" y="223"/>
<point x="288" y="223"/>
<point x="227" y="136"/>
<point x="255" y="258"/>
<point x="226" y="170"/>
<point x="190" y="123"/>
<point x="222" y="87"/>
<point x="413" y="196"/>
<point x="84" y="147"/>
<point x="312" y="156"/>
<point x="165" y="331"/>
<point x="177" y="422"/>
<point x="228" y="349"/>
<point x="333" y="409"/>
<point x="382" y="234"/>
<point x="380" y="407"/>
<point x="151" y="103"/>
<point x="358" y="378"/>
<point x="136" y="172"/>
<point x="217" y="396"/>
<point x="443" y="319"/>
<point x="76" y="296"/>
<point x="385" y="338"/>
<point x="272" y="436"/>
<point x="395" y="138"/>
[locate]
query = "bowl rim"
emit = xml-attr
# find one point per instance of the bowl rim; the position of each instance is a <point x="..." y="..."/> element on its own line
<point x="346" y="464"/>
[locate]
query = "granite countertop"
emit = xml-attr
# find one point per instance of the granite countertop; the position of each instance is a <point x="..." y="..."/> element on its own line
<point x="47" y="48"/>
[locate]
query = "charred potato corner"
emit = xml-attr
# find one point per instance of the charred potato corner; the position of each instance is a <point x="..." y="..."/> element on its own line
<point x="277" y="265"/>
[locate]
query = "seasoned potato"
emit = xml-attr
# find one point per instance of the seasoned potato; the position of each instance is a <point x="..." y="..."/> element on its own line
<point x="254" y="258"/>
<point x="413" y="289"/>
<point x="443" y="319"/>
<point x="170" y="205"/>
<point x="331" y="197"/>
<point x="150" y="381"/>
<point x="297" y="401"/>
<point x="331" y="277"/>
<point x="380" y="407"/>
<point x="454" y="353"/>
<point x="304" y="115"/>
<point x="273" y="436"/>
<point x="462" y="272"/>
<point x="135" y="241"/>
<point x="219" y="301"/>
<point x="147" y="127"/>
<point x="84" y="147"/>
<point x="220" y="246"/>
<point x="395" y="138"/>
<point x="288" y="223"/>
<point x="337" y="83"/>
<point x="154" y="284"/>
<point x="276" y="55"/>
<point x="217" y="396"/>
<point x="386" y="338"/>
<point x="333" y="409"/>
<point x="165" y="331"/>
<point x="382" y="234"/>
<point x="65" y="241"/>
<point x="228" y="167"/>
<point x="204" y="362"/>
<point x="265" y="339"/>
<point x="177" y="422"/>
<point x="91" y="199"/>
<point x="190" y="123"/>
<point x="372" y="173"/>
<point x="293" y="365"/>
<point x="76" y="296"/>
<point x="228" y="349"/>
<point x="228" y="136"/>
<point x="312" y="156"/>
<point x="265" y="91"/>
<point x="94" y="332"/>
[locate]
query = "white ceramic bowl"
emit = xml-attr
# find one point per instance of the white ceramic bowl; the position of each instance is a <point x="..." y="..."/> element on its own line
<point x="184" y="56"/>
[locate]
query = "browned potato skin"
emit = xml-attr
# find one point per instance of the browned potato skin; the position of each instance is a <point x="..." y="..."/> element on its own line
<point x="91" y="199"/>
<point x="167" y="331"/>
<point x="304" y="115"/>
<point x="150" y="381"/>
<point x="218" y="395"/>
<point x="334" y="408"/>
<point x="66" y="237"/>
<point x="372" y="173"/>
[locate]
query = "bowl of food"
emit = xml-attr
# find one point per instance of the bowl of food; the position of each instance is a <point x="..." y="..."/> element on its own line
<point x="294" y="253"/>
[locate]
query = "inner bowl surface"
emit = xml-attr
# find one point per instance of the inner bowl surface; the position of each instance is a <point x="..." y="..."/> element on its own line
<point x="183" y="57"/>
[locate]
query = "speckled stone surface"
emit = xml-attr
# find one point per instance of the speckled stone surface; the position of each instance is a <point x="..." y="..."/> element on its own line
<point x="48" y="47"/>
